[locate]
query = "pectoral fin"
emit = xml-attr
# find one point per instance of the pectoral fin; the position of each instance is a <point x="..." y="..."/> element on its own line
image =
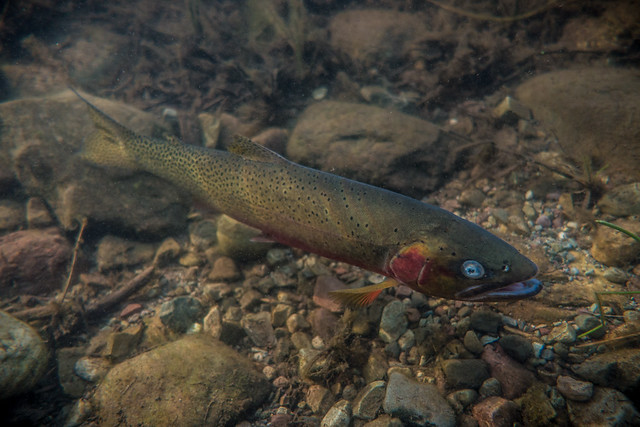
<point x="361" y="297"/>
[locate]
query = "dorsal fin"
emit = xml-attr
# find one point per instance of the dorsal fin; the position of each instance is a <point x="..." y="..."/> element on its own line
<point x="244" y="147"/>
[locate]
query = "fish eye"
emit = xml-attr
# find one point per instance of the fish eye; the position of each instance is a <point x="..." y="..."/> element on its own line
<point x="472" y="269"/>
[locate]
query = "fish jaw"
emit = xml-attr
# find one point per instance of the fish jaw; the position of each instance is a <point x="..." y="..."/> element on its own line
<point x="513" y="291"/>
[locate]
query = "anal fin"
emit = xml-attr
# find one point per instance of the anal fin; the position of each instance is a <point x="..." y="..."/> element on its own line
<point x="361" y="297"/>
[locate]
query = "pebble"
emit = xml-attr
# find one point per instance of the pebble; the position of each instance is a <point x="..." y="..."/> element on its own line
<point x="517" y="347"/>
<point x="393" y="322"/>
<point x="369" y="400"/>
<point x="258" y="328"/>
<point x="203" y="234"/>
<point x="130" y="310"/>
<point x="224" y="270"/>
<point x="490" y="387"/>
<point x="486" y="321"/>
<point x="586" y="322"/>
<point x="464" y="373"/>
<point x="338" y="416"/>
<point x="91" y="369"/>
<point x="496" y="412"/>
<point x="572" y="389"/>
<point x="472" y="343"/>
<point x="543" y="221"/>
<point x="407" y="340"/>
<point x="319" y="399"/>
<point x="564" y="333"/>
<point x="615" y="275"/>
<point x="416" y="403"/>
<point x="179" y="313"/>
<point x="537" y="349"/>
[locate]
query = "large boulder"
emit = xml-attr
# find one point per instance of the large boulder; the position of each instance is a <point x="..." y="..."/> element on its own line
<point x="375" y="145"/>
<point x="193" y="381"/>
<point x="39" y="143"/>
<point x="594" y="112"/>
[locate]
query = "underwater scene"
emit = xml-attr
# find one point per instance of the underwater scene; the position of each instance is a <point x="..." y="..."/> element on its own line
<point x="320" y="213"/>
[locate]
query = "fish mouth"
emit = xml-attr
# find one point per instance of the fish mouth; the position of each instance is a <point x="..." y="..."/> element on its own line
<point x="489" y="293"/>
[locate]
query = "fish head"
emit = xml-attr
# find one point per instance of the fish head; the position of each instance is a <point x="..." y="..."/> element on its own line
<point x="472" y="266"/>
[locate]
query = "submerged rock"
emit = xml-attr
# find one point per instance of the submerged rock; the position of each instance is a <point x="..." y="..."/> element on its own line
<point x="416" y="403"/>
<point x="595" y="113"/>
<point x="43" y="157"/>
<point x="23" y="356"/>
<point x="373" y="145"/>
<point x="607" y="407"/>
<point x="32" y="261"/>
<point x="192" y="381"/>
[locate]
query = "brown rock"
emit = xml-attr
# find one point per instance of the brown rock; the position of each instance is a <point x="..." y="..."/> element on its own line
<point x="513" y="377"/>
<point x="32" y="262"/>
<point x="373" y="145"/>
<point x="224" y="269"/>
<point x="573" y="389"/>
<point x="614" y="248"/>
<point x="595" y="113"/>
<point x="11" y="215"/>
<point x="495" y="411"/>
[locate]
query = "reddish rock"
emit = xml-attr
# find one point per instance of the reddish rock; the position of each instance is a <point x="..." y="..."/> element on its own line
<point x="33" y="262"/>
<point x="513" y="377"/>
<point x="323" y="323"/>
<point x="130" y="309"/>
<point x="225" y="270"/>
<point x="324" y="285"/>
<point x="495" y="411"/>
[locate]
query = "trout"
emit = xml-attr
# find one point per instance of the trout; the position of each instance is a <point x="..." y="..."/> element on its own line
<point x="422" y="246"/>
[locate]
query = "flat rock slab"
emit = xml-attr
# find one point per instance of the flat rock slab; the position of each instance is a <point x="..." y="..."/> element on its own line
<point x="40" y="143"/>
<point x="375" y="145"/>
<point x="193" y="381"/>
<point x="594" y="112"/>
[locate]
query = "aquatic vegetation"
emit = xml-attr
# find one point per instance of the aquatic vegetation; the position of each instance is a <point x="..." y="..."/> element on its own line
<point x="598" y="295"/>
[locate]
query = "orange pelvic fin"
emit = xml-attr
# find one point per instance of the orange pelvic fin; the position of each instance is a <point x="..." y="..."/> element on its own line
<point x="361" y="297"/>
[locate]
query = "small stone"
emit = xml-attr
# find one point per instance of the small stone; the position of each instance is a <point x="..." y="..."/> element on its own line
<point x="167" y="252"/>
<point x="376" y="367"/>
<point x="369" y="400"/>
<point x="338" y="416"/>
<point x="91" y="369"/>
<point x="416" y="403"/>
<point x="280" y="313"/>
<point x="586" y="322"/>
<point x="510" y="110"/>
<point x="250" y="299"/>
<point x="407" y="340"/>
<point x="543" y="221"/>
<point x="258" y="328"/>
<point x="130" y="310"/>
<point x="319" y="93"/>
<point x="121" y="344"/>
<point x="572" y="389"/>
<point x="490" y="387"/>
<point x="496" y="412"/>
<point x="464" y="373"/>
<point x="179" y="313"/>
<point x="513" y="377"/>
<point x="224" y="270"/>
<point x="11" y="215"/>
<point x="297" y="322"/>
<point x="460" y="399"/>
<point x="517" y="347"/>
<point x="615" y="275"/>
<point x="472" y="343"/>
<point x="486" y="321"/>
<point x="277" y="256"/>
<point x="393" y="322"/>
<point x="565" y="333"/>
<point x="319" y="399"/>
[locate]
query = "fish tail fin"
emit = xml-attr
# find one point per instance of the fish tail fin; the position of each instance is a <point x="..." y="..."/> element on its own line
<point x="361" y="297"/>
<point x="108" y="144"/>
